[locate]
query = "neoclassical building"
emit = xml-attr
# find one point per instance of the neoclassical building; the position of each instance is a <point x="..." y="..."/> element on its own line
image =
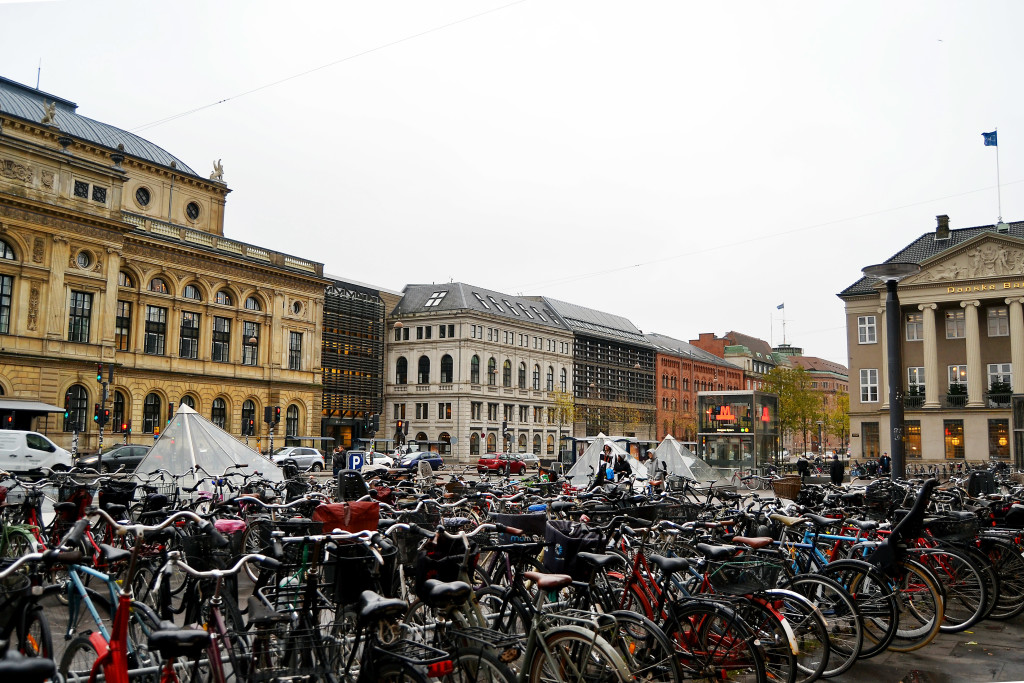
<point x="463" y="361"/>
<point x="962" y="341"/>
<point x="112" y="252"/>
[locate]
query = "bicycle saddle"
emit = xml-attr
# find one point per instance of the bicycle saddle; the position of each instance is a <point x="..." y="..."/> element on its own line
<point x="186" y="642"/>
<point x="27" y="669"/>
<point x="822" y="522"/>
<point x="548" y="582"/>
<point x="112" y="554"/>
<point x="374" y="607"/>
<point x="671" y="565"/>
<point x="443" y="594"/>
<point x="596" y="560"/>
<point x="755" y="543"/>
<point x="717" y="552"/>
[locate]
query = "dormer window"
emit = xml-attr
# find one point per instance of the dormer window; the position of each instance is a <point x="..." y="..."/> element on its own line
<point x="435" y="299"/>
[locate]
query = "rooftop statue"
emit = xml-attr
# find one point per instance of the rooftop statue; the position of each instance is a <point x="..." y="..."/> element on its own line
<point x="49" y="113"/>
<point x="218" y="172"/>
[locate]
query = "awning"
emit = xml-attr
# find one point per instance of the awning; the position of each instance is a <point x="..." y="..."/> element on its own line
<point x="310" y="438"/>
<point x="30" y="406"/>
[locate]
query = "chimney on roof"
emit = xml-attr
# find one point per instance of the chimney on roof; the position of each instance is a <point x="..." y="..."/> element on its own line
<point x="942" y="229"/>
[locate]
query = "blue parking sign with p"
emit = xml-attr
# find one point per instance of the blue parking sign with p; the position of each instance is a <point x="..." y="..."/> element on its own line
<point x="355" y="461"/>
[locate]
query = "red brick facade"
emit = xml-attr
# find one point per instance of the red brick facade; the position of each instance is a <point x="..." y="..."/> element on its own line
<point x="677" y="380"/>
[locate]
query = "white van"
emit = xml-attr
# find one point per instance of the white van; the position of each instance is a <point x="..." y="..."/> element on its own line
<point x="23" y="451"/>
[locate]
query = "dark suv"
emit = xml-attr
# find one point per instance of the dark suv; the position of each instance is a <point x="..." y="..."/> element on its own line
<point x="129" y="456"/>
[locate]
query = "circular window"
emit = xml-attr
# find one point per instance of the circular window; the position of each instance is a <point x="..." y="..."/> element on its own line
<point x="192" y="211"/>
<point x="142" y="196"/>
<point x="296" y="307"/>
<point x="83" y="260"/>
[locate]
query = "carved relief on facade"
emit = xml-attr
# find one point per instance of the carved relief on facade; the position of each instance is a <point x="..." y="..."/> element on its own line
<point x="33" y="306"/>
<point x="10" y="168"/>
<point x="38" y="249"/>
<point x="984" y="260"/>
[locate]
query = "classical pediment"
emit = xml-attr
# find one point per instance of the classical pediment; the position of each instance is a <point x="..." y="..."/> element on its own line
<point x="986" y="256"/>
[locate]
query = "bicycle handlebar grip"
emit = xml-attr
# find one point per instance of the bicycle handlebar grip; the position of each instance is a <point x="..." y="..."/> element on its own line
<point x="218" y="539"/>
<point x="62" y="557"/>
<point x="636" y="521"/>
<point x="77" y="531"/>
<point x="628" y="530"/>
<point x="271" y="563"/>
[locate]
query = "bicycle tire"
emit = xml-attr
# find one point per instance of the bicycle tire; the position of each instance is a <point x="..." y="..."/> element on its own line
<point x="648" y="653"/>
<point x="34" y="636"/>
<point x="503" y="611"/>
<point x="921" y="603"/>
<point x="875" y="600"/>
<point x="775" y="636"/>
<point x="713" y="644"/>
<point x="966" y="592"/>
<point x="843" y="619"/>
<point x="472" y="664"/>
<point x="579" y="651"/>
<point x="1009" y="564"/>
<point x="394" y="671"/>
<point x="810" y="629"/>
<point x="988" y="571"/>
<point x="255" y="539"/>
<point x="77" y="661"/>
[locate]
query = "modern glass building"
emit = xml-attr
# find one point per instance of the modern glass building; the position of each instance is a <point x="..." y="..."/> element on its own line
<point x="738" y="430"/>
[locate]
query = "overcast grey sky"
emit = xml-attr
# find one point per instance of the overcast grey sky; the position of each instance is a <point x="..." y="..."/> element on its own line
<point x="688" y="165"/>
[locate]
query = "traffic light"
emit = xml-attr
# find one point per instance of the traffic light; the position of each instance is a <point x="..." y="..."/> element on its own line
<point x="106" y="415"/>
<point x="504" y="427"/>
<point x="67" y="405"/>
<point x="277" y="414"/>
<point x="128" y="427"/>
<point x="268" y="414"/>
<point x="99" y="373"/>
<point x="124" y="427"/>
<point x="96" y="413"/>
<point x="170" y="411"/>
<point x="375" y="422"/>
<point x="401" y="423"/>
<point x="250" y="425"/>
<point x="9" y="422"/>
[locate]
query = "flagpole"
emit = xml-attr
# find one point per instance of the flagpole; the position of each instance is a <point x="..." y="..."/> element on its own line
<point x="999" y="191"/>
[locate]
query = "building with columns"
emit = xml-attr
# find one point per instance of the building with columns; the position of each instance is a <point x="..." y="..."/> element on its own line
<point x="464" y="361"/>
<point x="962" y="343"/>
<point x="112" y="253"/>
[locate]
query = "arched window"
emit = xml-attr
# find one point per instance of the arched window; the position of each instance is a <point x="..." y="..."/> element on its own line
<point x="191" y="292"/>
<point x="77" y="400"/>
<point x="158" y="285"/>
<point x="118" y="414"/>
<point x="522" y="443"/>
<point x="563" y="381"/>
<point x="6" y="252"/>
<point x="219" y="412"/>
<point x="474" y="370"/>
<point x="421" y="437"/>
<point x="536" y="377"/>
<point x="492" y="442"/>
<point x="672" y="381"/>
<point x="188" y="400"/>
<point x="125" y="280"/>
<point x="551" y="379"/>
<point x="492" y="372"/>
<point x="291" y="420"/>
<point x="664" y="381"/>
<point x="253" y="304"/>
<point x="248" y="413"/>
<point x="506" y="373"/>
<point x="423" y="372"/>
<point x="445" y="447"/>
<point x="474" y="444"/>
<point x="401" y="371"/>
<point x="522" y="375"/>
<point x="447" y="369"/>
<point x="151" y="414"/>
<point x="223" y="298"/>
<point x="536" y="444"/>
<point x="551" y="444"/>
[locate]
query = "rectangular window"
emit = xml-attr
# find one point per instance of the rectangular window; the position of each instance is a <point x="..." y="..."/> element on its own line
<point x="869" y="440"/>
<point x="869" y="385"/>
<point x="81" y="189"/>
<point x="492" y="411"/>
<point x="156" y="330"/>
<point x="444" y="411"/>
<point x="999" y="439"/>
<point x="915" y="379"/>
<point x="251" y="343"/>
<point x="6" y="287"/>
<point x="399" y="412"/>
<point x="524" y="413"/>
<point x="538" y="414"/>
<point x="551" y="415"/>
<point x="294" y="350"/>
<point x="866" y="332"/>
<point x="956" y="325"/>
<point x="445" y="331"/>
<point x="221" y="340"/>
<point x="490" y="333"/>
<point x="958" y="375"/>
<point x="475" y="410"/>
<point x="188" y="345"/>
<point x="419" y="332"/>
<point x="953" y="439"/>
<point x="1000" y="372"/>
<point x="123" y="326"/>
<point x="915" y="326"/>
<point x="913" y="439"/>
<point x="509" y="412"/>
<point x="421" y="411"/>
<point x="998" y="322"/>
<point x="79" y="314"/>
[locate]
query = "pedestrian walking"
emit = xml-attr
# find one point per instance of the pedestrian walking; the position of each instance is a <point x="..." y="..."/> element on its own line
<point x="802" y="467"/>
<point x="836" y="470"/>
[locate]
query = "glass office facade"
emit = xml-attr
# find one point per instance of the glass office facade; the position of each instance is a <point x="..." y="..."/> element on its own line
<point x="738" y="430"/>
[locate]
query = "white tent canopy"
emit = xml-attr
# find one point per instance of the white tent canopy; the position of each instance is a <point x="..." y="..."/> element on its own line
<point x="579" y="474"/>
<point x="190" y="440"/>
<point x="680" y="461"/>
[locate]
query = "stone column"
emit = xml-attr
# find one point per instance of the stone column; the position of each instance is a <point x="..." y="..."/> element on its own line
<point x="975" y="375"/>
<point x="110" y="298"/>
<point x="883" y="373"/>
<point x="1017" y="343"/>
<point x="932" y="373"/>
<point x="55" y="308"/>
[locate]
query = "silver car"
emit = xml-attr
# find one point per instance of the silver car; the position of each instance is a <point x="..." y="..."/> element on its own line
<point x="304" y="457"/>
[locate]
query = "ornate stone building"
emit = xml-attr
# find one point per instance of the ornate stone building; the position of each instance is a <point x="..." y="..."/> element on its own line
<point x="962" y="341"/>
<point x="112" y="252"/>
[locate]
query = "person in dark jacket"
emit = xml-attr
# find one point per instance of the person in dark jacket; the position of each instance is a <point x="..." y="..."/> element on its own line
<point x="622" y="469"/>
<point x="802" y="467"/>
<point x="836" y="470"/>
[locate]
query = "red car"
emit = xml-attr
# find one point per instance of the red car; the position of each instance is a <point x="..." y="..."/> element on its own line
<point x="503" y="463"/>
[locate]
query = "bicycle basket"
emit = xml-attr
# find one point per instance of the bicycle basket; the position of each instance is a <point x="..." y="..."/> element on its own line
<point x="531" y="524"/>
<point x="352" y="568"/>
<point x="743" y="576"/>
<point x="683" y="512"/>
<point x="11" y="590"/>
<point x="201" y="553"/>
<point x="958" y="528"/>
<point x="117" y="493"/>
<point x="563" y="542"/>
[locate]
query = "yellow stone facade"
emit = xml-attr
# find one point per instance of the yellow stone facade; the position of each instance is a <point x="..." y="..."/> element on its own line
<point x="67" y="242"/>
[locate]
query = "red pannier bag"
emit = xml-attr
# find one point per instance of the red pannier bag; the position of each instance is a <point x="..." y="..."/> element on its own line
<point x="363" y="515"/>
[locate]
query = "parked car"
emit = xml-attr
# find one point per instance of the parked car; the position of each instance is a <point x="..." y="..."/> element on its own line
<point x="129" y="456"/>
<point x="304" y="457"/>
<point x="376" y="458"/>
<point x="410" y="461"/>
<point x="503" y="463"/>
<point x="532" y="460"/>
<point x="21" y="452"/>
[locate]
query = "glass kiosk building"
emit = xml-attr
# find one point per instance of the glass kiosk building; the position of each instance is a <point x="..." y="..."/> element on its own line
<point x="738" y="429"/>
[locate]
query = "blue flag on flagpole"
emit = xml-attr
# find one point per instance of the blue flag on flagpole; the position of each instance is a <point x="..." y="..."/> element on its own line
<point x="780" y="307"/>
<point x="991" y="139"/>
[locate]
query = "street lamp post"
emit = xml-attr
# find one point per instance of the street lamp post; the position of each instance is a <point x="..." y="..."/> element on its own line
<point x="891" y="274"/>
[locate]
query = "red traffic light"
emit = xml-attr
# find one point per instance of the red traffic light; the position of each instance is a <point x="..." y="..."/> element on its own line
<point x="99" y="372"/>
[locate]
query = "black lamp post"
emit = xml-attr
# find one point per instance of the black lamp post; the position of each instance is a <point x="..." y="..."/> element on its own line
<point x="891" y="274"/>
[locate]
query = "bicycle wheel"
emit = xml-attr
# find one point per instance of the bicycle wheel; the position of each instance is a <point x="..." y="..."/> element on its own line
<point x="966" y="591"/>
<point x="921" y="607"/>
<point x="478" y="665"/>
<point x="77" y="661"/>
<point x="810" y="629"/>
<point x="988" y="573"/>
<point x="255" y="540"/>
<point x="842" y="619"/>
<point x="503" y="612"/>
<point x="775" y="637"/>
<point x="875" y="599"/>
<point x="34" y="638"/>
<point x="577" y="656"/>
<point x="398" y="672"/>
<point x="648" y="653"/>
<point x="1009" y="564"/>
<point x="714" y="644"/>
